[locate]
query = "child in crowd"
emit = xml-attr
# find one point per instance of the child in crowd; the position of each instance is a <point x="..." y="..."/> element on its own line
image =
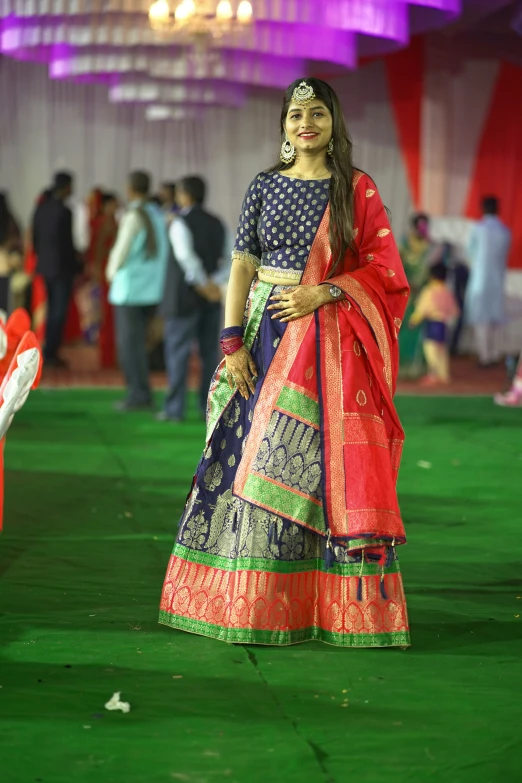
<point x="436" y="308"/>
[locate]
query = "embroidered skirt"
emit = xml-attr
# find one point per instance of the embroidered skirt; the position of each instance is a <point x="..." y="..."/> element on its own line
<point x="239" y="573"/>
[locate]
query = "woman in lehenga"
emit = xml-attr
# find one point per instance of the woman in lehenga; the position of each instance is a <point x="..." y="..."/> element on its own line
<point x="104" y="229"/>
<point x="290" y="530"/>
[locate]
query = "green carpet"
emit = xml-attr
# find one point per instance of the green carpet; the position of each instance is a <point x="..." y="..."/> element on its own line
<point x="92" y="503"/>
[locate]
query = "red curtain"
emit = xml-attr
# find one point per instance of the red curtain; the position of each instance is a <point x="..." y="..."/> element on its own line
<point x="405" y="74"/>
<point x="498" y="165"/>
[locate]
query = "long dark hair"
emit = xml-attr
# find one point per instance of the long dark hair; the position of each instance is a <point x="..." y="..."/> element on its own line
<point x="340" y="164"/>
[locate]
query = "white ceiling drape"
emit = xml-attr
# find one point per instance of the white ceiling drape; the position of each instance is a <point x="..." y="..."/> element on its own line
<point x="48" y="124"/>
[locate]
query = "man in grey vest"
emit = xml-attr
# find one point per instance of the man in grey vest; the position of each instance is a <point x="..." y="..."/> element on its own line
<point x="191" y="306"/>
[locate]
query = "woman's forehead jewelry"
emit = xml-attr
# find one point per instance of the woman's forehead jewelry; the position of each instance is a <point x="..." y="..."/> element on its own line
<point x="303" y="94"/>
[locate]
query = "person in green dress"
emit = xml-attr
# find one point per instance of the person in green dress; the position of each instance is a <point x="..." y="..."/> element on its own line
<point x="415" y="249"/>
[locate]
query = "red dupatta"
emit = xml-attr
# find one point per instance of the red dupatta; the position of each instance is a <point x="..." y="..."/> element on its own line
<point x="342" y="361"/>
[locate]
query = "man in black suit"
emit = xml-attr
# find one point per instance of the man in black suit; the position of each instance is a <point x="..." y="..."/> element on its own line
<point x="200" y="263"/>
<point x="57" y="260"/>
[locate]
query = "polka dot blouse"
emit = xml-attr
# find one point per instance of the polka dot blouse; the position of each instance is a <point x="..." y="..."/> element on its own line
<point x="279" y="219"/>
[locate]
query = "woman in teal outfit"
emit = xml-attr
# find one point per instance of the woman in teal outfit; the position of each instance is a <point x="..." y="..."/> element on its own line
<point x="415" y="250"/>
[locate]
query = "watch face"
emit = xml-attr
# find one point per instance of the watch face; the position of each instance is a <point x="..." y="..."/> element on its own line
<point x="335" y="292"/>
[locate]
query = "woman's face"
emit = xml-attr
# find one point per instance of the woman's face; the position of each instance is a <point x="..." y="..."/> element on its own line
<point x="421" y="228"/>
<point x="309" y="128"/>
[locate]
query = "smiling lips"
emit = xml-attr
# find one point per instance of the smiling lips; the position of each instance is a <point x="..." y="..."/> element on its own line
<point x="308" y="135"/>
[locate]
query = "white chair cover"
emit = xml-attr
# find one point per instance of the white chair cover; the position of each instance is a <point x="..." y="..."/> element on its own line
<point x="18" y="387"/>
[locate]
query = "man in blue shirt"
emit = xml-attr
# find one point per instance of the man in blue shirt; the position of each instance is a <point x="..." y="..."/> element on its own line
<point x="136" y="273"/>
<point x="488" y="252"/>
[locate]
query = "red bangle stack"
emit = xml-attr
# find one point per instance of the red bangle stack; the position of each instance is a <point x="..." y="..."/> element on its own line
<point x="231" y="345"/>
<point x="231" y="339"/>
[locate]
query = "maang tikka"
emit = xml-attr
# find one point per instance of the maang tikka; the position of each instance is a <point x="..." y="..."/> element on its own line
<point x="303" y="94"/>
<point x="287" y="151"/>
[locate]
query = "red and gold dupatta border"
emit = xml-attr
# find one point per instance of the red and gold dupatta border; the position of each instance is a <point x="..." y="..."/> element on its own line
<point x="331" y="379"/>
<point x="378" y="283"/>
<point x="346" y="432"/>
<point x="355" y="291"/>
<point x="356" y="177"/>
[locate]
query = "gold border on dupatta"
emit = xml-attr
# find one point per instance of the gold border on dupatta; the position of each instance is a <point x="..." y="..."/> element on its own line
<point x="355" y="290"/>
<point x="333" y="382"/>
<point x="356" y="177"/>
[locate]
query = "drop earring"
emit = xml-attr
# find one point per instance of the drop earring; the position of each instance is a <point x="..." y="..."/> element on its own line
<point x="287" y="151"/>
<point x="330" y="148"/>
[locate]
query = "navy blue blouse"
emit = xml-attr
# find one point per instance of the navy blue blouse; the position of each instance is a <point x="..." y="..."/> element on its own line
<point x="279" y="219"/>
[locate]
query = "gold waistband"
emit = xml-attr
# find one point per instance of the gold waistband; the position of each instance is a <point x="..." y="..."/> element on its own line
<point x="279" y="276"/>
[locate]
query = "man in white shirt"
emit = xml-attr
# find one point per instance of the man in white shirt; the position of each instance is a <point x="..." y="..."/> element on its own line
<point x="136" y="273"/>
<point x="191" y="306"/>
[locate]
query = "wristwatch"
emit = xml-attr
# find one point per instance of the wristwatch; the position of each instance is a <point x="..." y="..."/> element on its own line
<point x="335" y="292"/>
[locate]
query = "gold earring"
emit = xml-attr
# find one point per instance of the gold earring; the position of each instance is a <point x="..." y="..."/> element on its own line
<point x="330" y="148"/>
<point x="287" y="151"/>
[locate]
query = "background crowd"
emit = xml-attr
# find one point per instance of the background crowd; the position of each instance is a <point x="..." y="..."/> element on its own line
<point x="449" y="290"/>
<point x="70" y="269"/>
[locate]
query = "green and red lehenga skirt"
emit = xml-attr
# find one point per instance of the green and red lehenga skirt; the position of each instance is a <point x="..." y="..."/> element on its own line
<point x="241" y="573"/>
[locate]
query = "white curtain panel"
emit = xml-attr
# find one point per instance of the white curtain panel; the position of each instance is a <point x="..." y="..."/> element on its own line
<point x="370" y="119"/>
<point x="457" y="97"/>
<point x="48" y="124"/>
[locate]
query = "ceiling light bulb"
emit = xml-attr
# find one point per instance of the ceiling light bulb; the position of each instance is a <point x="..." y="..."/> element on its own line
<point x="244" y="12"/>
<point x="159" y="11"/>
<point x="224" y="11"/>
<point x="185" y="10"/>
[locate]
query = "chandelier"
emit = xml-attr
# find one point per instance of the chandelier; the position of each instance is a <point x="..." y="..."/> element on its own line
<point x="199" y="19"/>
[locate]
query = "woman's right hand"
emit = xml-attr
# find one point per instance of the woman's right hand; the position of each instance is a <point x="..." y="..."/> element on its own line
<point x="242" y="372"/>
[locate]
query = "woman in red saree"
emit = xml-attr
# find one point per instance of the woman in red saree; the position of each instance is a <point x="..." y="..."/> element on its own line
<point x="291" y="527"/>
<point x="75" y="326"/>
<point x="104" y="229"/>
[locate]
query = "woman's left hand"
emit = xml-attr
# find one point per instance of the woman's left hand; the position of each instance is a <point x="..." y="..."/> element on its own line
<point x="298" y="301"/>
